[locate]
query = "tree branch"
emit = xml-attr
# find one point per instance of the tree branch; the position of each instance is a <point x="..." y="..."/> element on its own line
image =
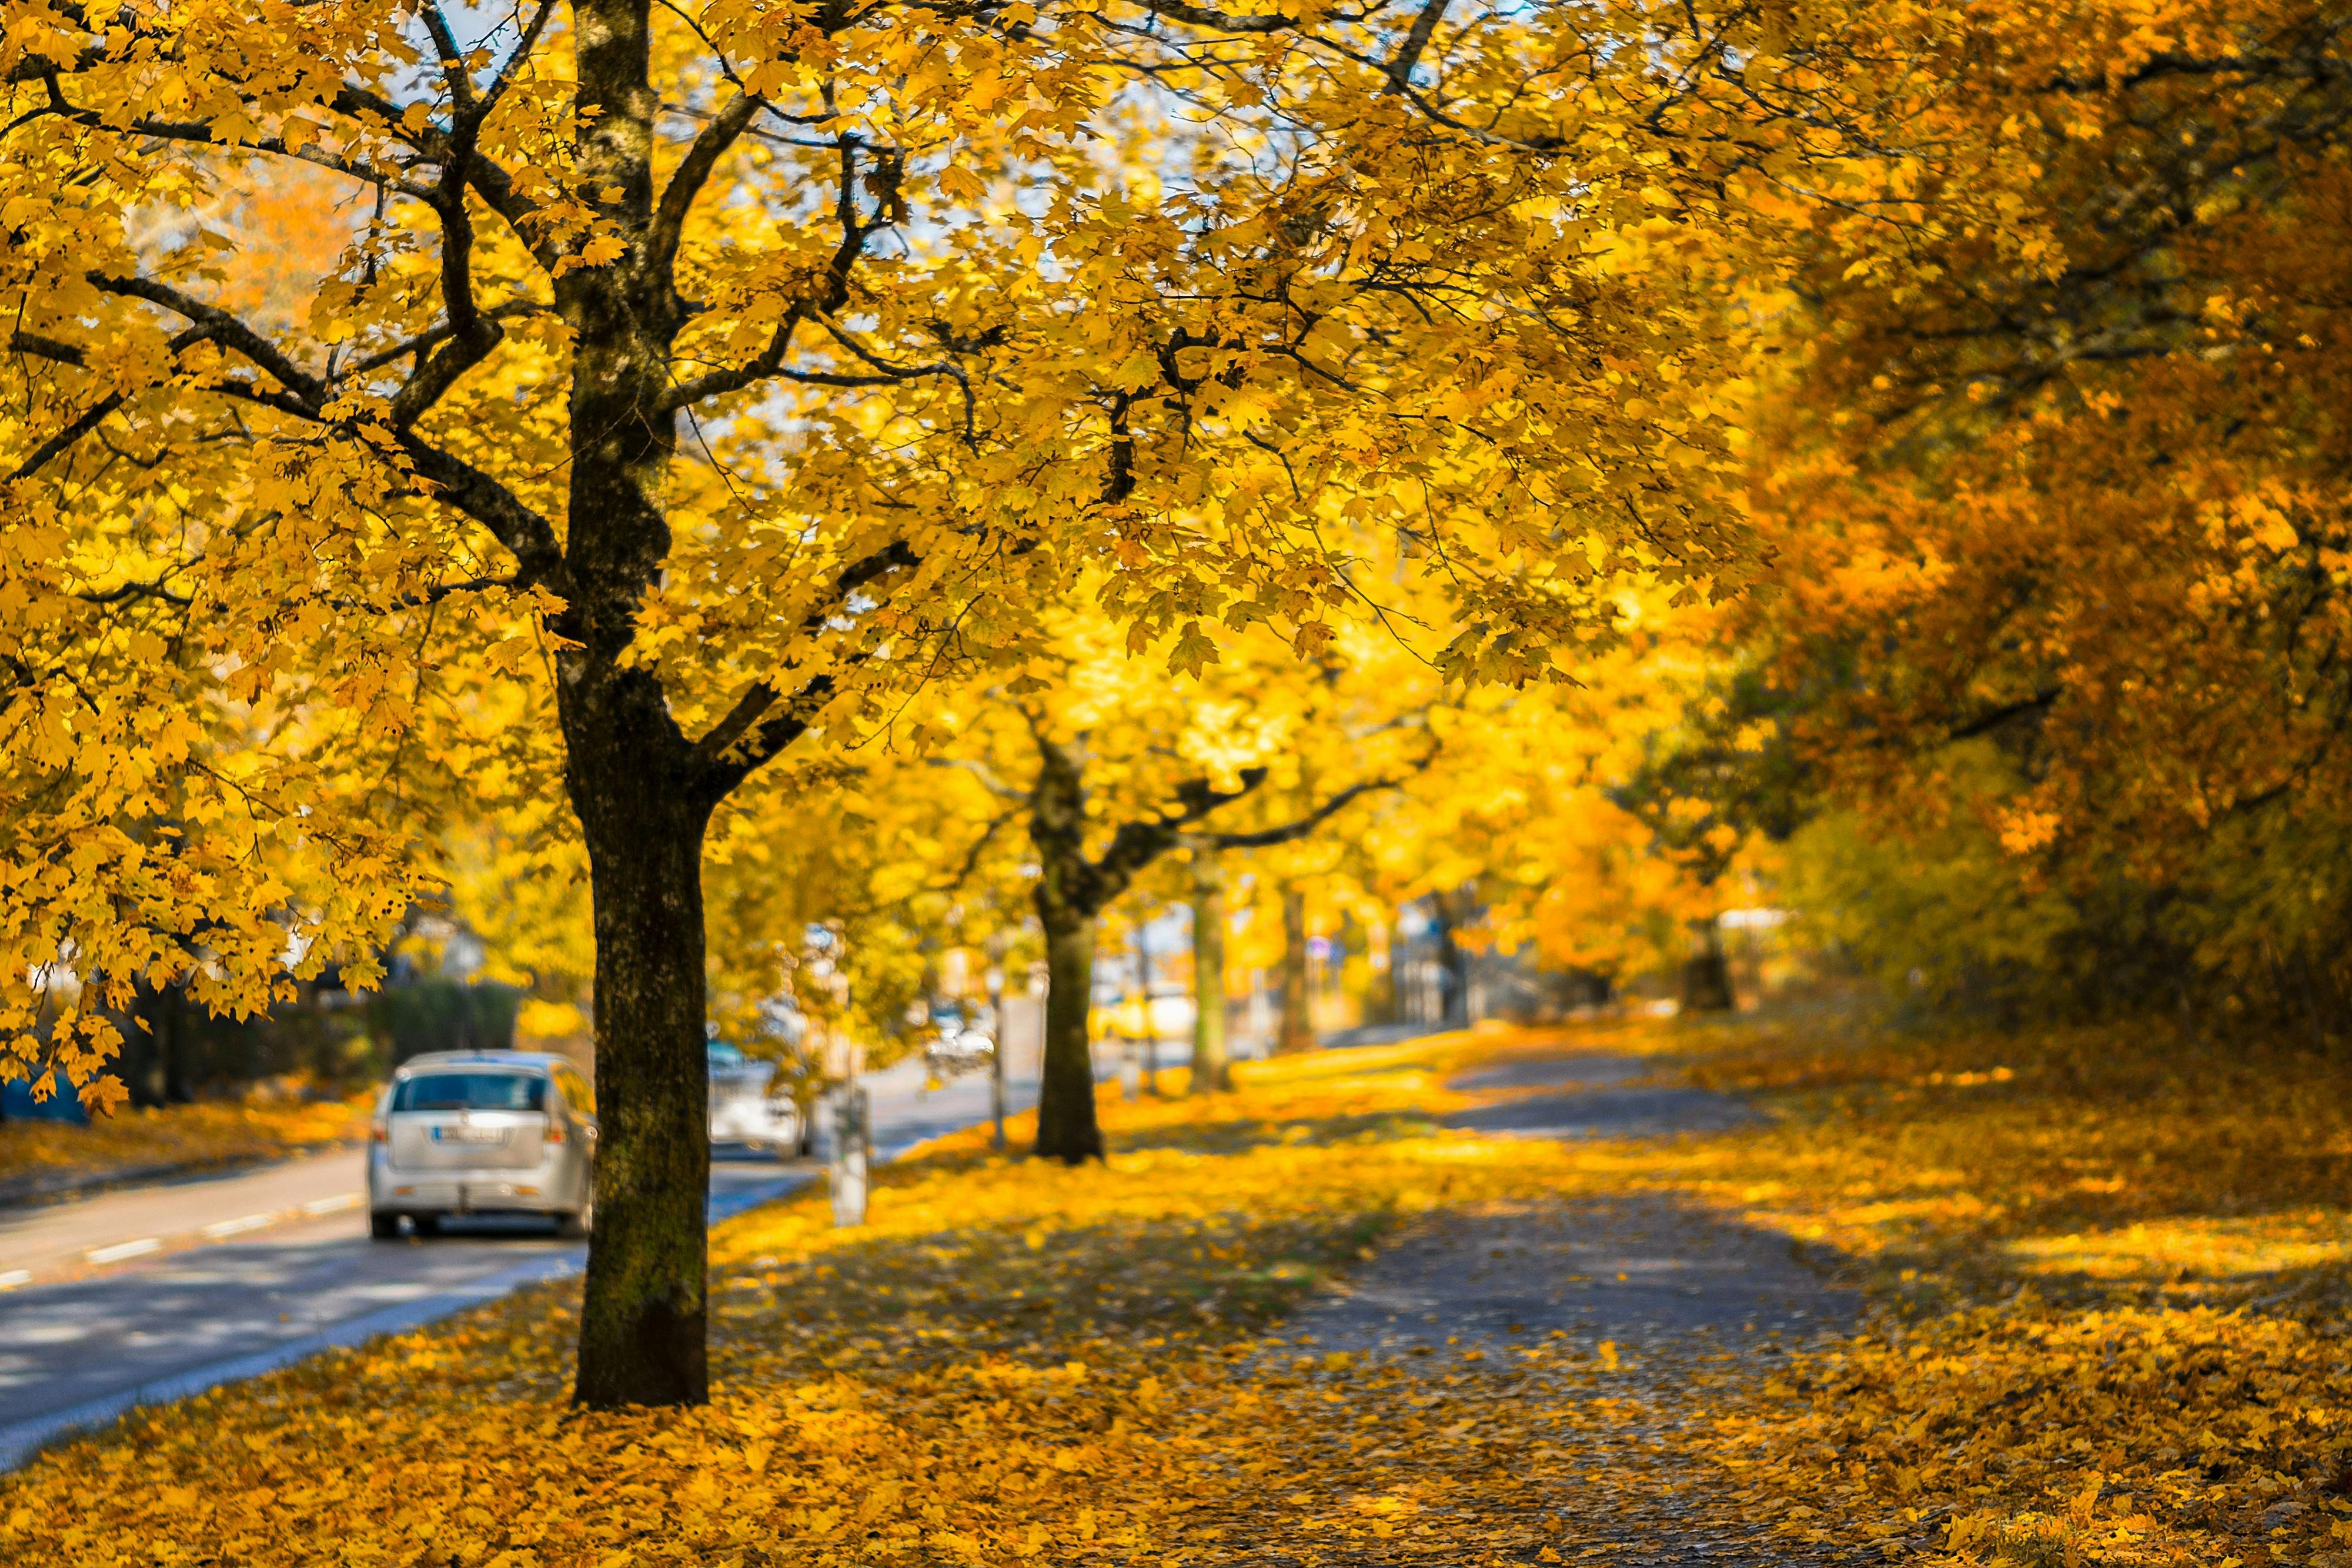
<point x="1290" y="832"/>
<point x="1136" y="845"/>
<point x="1203" y="16"/>
<point x="831" y="298"/>
<point x="989" y="779"/>
<point x="710" y="144"/>
<point x="90" y="418"/>
<point x="507" y="310"/>
<point x="529" y="536"/>
<point x="226" y="330"/>
<point x="1408" y="53"/>
<point x="753" y="732"/>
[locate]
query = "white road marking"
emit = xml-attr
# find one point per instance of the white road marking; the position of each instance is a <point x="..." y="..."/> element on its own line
<point x="237" y="1226"/>
<point x="330" y="1204"/>
<point x="122" y="1250"/>
<point x="16" y="1277"/>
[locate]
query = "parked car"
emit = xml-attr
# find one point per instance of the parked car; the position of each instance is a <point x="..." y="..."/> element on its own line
<point x="484" y="1132"/>
<point x="742" y="1111"/>
<point x="958" y="1045"/>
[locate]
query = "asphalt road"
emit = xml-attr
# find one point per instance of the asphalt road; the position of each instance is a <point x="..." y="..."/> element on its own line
<point x="152" y="1292"/>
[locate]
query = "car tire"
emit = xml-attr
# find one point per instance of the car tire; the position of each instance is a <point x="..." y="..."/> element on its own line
<point x="384" y="1227"/>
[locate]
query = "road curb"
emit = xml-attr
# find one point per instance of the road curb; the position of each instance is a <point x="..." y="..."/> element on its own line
<point x="22" y="1440"/>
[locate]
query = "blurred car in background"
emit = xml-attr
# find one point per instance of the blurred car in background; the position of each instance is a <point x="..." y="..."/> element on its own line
<point x="743" y="1111"/>
<point x="958" y="1043"/>
<point x="482" y="1132"/>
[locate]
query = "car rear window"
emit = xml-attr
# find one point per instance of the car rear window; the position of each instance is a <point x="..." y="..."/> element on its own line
<point x="471" y="1092"/>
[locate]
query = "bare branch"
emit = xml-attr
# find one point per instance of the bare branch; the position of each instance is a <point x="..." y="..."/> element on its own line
<point x="1408" y="53"/>
<point x="1222" y="22"/>
<point x="90" y="418"/>
<point x="710" y="145"/>
<point x="754" y="730"/>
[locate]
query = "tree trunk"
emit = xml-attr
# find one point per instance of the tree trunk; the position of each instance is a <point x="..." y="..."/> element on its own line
<point x="996" y="1061"/>
<point x="633" y="779"/>
<point x="1069" y="900"/>
<point x="643" y="1324"/>
<point x="1066" y="1129"/>
<point x="139" y="1064"/>
<point x="1297" y="1031"/>
<point x="1707" y="976"/>
<point x="1452" y="966"/>
<point x="177" y="1090"/>
<point x="1213" y="1071"/>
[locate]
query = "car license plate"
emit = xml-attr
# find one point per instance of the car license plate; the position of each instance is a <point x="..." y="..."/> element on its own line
<point x="469" y="1134"/>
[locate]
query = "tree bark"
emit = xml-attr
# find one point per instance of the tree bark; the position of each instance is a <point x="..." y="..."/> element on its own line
<point x="631" y="772"/>
<point x="1297" y="1031"/>
<point x="1213" y="1071"/>
<point x="1391" y="995"/>
<point x="1707" y="976"/>
<point x="140" y="1061"/>
<point x="996" y="1058"/>
<point x="177" y="1090"/>
<point x="1452" y="966"/>
<point x="1066" y="1128"/>
<point x="1068" y="903"/>
<point x="643" y="1322"/>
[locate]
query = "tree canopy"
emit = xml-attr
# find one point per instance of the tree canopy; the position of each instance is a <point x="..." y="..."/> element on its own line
<point x="689" y="385"/>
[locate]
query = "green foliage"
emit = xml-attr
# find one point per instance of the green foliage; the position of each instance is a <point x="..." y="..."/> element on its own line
<point x="1941" y="907"/>
<point x="437" y="1014"/>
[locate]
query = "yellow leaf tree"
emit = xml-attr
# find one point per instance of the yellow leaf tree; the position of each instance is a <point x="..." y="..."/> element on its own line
<point x="713" y="376"/>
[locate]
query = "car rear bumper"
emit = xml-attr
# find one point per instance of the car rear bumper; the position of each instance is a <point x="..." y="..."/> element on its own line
<point x="552" y="1187"/>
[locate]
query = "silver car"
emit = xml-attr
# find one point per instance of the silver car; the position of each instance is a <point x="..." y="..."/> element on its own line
<point x="483" y="1132"/>
<point x="742" y="1111"/>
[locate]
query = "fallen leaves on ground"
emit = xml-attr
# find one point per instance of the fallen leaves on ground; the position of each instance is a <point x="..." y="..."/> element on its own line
<point x="1014" y="1362"/>
<point x="2115" y="1270"/>
<point x="2110" y="1333"/>
<point x="208" y="1133"/>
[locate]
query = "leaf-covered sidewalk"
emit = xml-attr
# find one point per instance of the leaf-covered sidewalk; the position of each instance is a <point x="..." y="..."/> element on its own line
<point x="1220" y="1348"/>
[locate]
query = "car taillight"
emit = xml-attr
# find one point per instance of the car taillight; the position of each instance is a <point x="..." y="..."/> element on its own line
<point x="379" y="1134"/>
<point x="554" y="1132"/>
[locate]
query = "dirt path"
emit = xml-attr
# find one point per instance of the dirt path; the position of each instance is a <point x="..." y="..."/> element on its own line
<point x="1673" y="1298"/>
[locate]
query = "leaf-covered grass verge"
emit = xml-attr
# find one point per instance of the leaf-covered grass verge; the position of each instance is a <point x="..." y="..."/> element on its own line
<point x="209" y="1133"/>
<point x="2113" y="1266"/>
